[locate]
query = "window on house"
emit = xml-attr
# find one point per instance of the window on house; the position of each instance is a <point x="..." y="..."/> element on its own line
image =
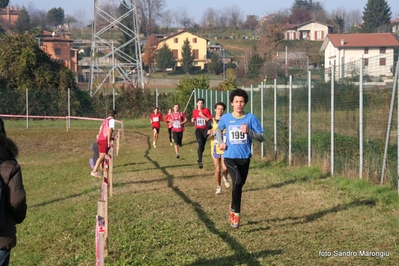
<point x="176" y="40"/>
<point x="194" y="40"/>
<point x="365" y="61"/>
<point x="195" y="53"/>
<point x="175" y="53"/>
<point x="72" y="54"/>
<point x="383" y="62"/>
<point x="57" y="51"/>
<point x="319" y="35"/>
<point x="366" y="50"/>
<point x="383" y="50"/>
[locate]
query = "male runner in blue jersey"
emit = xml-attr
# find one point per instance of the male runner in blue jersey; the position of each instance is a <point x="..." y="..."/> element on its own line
<point x="240" y="128"/>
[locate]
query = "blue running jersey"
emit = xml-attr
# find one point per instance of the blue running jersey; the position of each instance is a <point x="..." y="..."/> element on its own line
<point x="238" y="143"/>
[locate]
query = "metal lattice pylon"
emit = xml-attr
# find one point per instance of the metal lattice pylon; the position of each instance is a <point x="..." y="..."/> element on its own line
<point x="108" y="62"/>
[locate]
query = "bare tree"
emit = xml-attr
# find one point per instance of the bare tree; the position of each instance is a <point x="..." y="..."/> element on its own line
<point x="300" y="15"/>
<point x="183" y="18"/>
<point x="268" y="42"/>
<point x="69" y="20"/>
<point x="149" y="11"/>
<point x="81" y="19"/>
<point x="150" y="51"/>
<point x="319" y="12"/>
<point x="222" y="20"/>
<point x="111" y="8"/>
<point x="282" y="16"/>
<point x="166" y="18"/>
<point x="350" y="17"/>
<point x="38" y="19"/>
<point x="251" y="22"/>
<point x="209" y="18"/>
<point x="235" y="16"/>
<point x="353" y="17"/>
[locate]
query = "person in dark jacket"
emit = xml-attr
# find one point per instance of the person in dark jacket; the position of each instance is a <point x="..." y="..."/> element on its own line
<point x="15" y="196"/>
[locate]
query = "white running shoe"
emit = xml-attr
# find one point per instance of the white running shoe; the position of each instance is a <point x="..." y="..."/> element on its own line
<point x="218" y="190"/>
<point x="226" y="181"/>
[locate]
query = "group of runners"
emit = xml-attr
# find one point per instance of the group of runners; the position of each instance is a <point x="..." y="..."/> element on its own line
<point x="231" y="139"/>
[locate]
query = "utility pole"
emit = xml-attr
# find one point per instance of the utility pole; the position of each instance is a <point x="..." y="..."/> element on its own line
<point x="224" y="65"/>
<point x="108" y="59"/>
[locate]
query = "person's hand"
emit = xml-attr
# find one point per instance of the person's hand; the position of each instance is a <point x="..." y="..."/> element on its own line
<point x="244" y="128"/>
<point x="222" y="146"/>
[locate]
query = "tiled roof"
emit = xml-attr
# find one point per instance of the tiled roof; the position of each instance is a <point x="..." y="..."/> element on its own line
<point x="289" y="26"/>
<point x="363" y="40"/>
<point x="178" y="33"/>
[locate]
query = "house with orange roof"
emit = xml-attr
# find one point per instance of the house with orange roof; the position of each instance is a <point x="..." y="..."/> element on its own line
<point x="198" y="47"/>
<point x="312" y="30"/>
<point x="60" y="47"/>
<point x="344" y="52"/>
<point x="9" y="15"/>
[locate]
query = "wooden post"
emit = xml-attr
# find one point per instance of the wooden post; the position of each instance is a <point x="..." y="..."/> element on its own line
<point x="123" y="130"/>
<point x="104" y="197"/>
<point x="118" y="136"/>
<point x="110" y="168"/>
<point x="100" y="234"/>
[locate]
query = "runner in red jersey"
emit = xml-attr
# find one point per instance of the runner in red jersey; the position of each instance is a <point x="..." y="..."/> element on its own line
<point x="178" y="121"/>
<point x="155" y="120"/>
<point x="201" y="116"/>
<point x="168" y="121"/>
<point x="104" y="140"/>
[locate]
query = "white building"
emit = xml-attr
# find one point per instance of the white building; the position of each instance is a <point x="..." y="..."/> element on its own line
<point x="344" y="51"/>
<point x="311" y="30"/>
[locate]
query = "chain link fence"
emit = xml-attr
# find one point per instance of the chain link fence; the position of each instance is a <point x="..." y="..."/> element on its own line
<point x="339" y="124"/>
<point x="345" y="125"/>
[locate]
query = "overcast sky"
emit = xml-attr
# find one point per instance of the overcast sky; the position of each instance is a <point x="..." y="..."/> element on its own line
<point x="196" y="8"/>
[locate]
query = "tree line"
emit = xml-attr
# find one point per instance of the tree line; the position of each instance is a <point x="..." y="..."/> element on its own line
<point x="24" y="66"/>
<point x="154" y="18"/>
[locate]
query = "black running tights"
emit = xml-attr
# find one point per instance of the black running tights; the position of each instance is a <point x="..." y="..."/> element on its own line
<point x="201" y="135"/>
<point x="238" y="170"/>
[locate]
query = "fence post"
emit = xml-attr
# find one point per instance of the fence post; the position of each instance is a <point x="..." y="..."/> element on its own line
<point x="104" y="197"/>
<point x="290" y="123"/>
<point x="100" y="233"/>
<point x="69" y="109"/>
<point x="156" y="97"/>
<point x="110" y="168"/>
<point x="228" y="101"/>
<point x="252" y="111"/>
<point x="361" y="119"/>
<point x="394" y="91"/>
<point x="275" y="119"/>
<point x="27" y="108"/>
<point x="118" y="136"/>
<point x="309" y="118"/>
<point x="332" y="118"/>
<point x="262" y="154"/>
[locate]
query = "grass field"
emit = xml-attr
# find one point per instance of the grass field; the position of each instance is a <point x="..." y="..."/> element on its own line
<point x="164" y="210"/>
